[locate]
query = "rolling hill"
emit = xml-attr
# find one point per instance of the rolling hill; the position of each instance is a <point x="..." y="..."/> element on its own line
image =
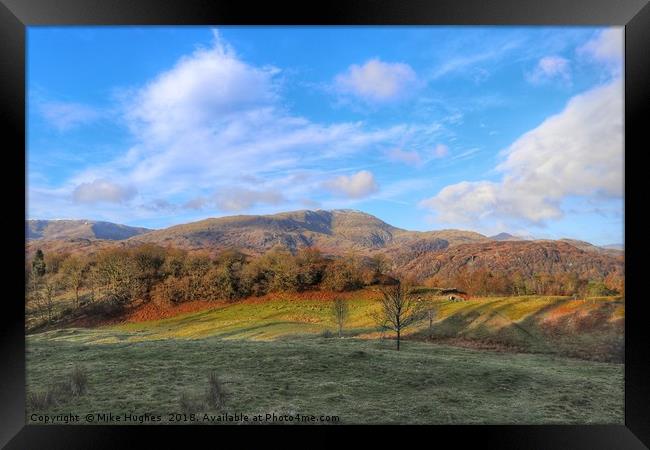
<point x="525" y="257"/>
<point x="418" y="254"/>
<point x="49" y="230"/>
<point x="334" y="232"/>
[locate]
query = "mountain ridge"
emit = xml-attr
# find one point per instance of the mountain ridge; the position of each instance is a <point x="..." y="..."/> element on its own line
<point x="411" y="254"/>
<point x="57" y="229"/>
<point x="300" y="227"/>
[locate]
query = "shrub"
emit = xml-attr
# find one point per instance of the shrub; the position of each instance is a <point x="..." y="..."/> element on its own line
<point x="189" y="404"/>
<point x="172" y="290"/>
<point x="215" y="395"/>
<point x="78" y="381"/>
<point x="327" y="334"/>
<point x="598" y="289"/>
<point x="40" y="400"/>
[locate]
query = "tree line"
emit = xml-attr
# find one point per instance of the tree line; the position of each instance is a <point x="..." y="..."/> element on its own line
<point x="483" y="282"/>
<point x="120" y="276"/>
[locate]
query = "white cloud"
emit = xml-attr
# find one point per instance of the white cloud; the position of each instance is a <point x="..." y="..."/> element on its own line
<point x="65" y="116"/>
<point x="212" y="117"/>
<point x="102" y="190"/>
<point x="206" y="87"/>
<point x="576" y="153"/>
<point x="550" y="68"/>
<point x="377" y="81"/>
<point x="606" y="46"/>
<point x="359" y="185"/>
<point x="240" y="199"/>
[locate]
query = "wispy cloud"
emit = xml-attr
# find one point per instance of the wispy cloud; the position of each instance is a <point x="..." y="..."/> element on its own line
<point x="474" y="60"/>
<point x="377" y="81"/>
<point x="550" y="68"/>
<point x="213" y="116"/>
<point x="65" y="116"/>
<point x="415" y="158"/>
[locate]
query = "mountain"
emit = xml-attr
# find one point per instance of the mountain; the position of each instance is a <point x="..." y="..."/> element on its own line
<point x="335" y="231"/>
<point x="48" y="230"/>
<point x="526" y="257"/>
<point x="505" y="237"/>
<point x="418" y="254"/>
<point x="593" y="248"/>
<point x="613" y="246"/>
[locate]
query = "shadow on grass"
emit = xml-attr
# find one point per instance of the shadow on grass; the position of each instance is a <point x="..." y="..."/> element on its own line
<point x="585" y="334"/>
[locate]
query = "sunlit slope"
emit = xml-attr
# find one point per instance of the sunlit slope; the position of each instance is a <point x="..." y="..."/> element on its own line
<point x="591" y="328"/>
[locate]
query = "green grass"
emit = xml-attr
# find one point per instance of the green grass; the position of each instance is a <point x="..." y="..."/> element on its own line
<point x="591" y="329"/>
<point x="361" y="381"/>
<point x="271" y="358"/>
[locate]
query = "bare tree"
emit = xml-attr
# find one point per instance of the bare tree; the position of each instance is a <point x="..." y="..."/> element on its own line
<point x="399" y="309"/>
<point x="74" y="271"/>
<point x="431" y="314"/>
<point x="44" y="299"/>
<point x="340" y="313"/>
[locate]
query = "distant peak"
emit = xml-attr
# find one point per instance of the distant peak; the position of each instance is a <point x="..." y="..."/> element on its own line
<point x="503" y="237"/>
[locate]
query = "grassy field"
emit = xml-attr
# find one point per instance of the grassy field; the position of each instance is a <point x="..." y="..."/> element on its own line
<point x="360" y="381"/>
<point x="590" y="329"/>
<point x="273" y="358"/>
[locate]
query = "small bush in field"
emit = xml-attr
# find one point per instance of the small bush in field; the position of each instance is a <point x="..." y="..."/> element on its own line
<point x="40" y="400"/>
<point x="59" y="392"/>
<point x="215" y="394"/>
<point x="189" y="404"/>
<point x="78" y="380"/>
<point x="327" y="334"/>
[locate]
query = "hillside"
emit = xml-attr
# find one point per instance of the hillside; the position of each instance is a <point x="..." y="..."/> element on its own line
<point x="507" y="257"/>
<point x="418" y="254"/>
<point x="585" y="328"/>
<point x="49" y="230"/>
<point x="608" y="250"/>
<point x="333" y="232"/>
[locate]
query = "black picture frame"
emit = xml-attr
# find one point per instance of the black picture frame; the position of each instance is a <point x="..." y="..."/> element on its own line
<point x="16" y="15"/>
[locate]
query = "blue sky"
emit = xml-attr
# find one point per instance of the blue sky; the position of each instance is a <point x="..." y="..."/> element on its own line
<point x="492" y="129"/>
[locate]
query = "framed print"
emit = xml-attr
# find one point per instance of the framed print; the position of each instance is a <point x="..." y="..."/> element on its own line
<point x="366" y="215"/>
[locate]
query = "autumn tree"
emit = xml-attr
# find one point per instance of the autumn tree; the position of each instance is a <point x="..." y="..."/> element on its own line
<point x="147" y="261"/>
<point x="44" y="298"/>
<point x="311" y="267"/>
<point x="54" y="261"/>
<point x="343" y="275"/>
<point x="117" y="276"/>
<point x="284" y="271"/>
<point x="195" y="268"/>
<point x="399" y="309"/>
<point x="615" y="281"/>
<point x="223" y="280"/>
<point x="340" y="312"/>
<point x="74" y="270"/>
<point x="38" y="265"/>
